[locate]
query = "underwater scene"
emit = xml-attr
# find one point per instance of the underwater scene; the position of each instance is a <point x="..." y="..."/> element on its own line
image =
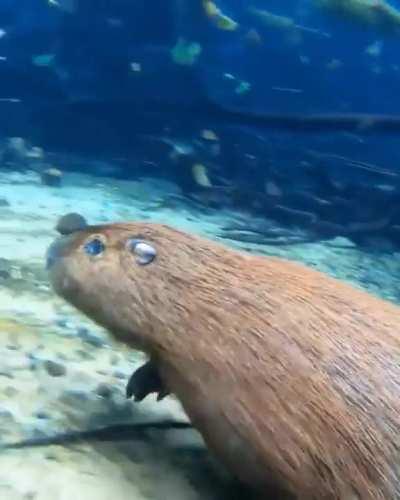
<point x="199" y="249"/>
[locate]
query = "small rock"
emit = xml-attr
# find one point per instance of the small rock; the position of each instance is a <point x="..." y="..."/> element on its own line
<point x="114" y="358"/>
<point x="84" y="355"/>
<point x="15" y="151"/>
<point x="13" y="347"/>
<point x="51" y="177"/>
<point x="342" y="242"/>
<point x="104" y="391"/>
<point x="42" y="415"/>
<point x="30" y="495"/>
<point x="16" y="273"/>
<point x="33" y="359"/>
<point x="5" y="269"/>
<point x="4" y="202"/>
<point x="90" y="338"/>
<point x="51" y="455"/>
<point x="62" y="322"/>
<point x="36" y="153"/>
<point x="42" y="287"/>
<point x="54" y="369"/>
<point x="102" y="372"/>
<point x="6" y="413"/>
<point x="119" y="374"/>
<point x="10" y="391"/>
<point x="74" y="396"/>
<point x="35" y="432"/>
<point x="68" y="328"/>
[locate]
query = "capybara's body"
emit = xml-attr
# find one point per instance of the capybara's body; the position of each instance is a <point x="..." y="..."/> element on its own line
<point x="292" y="377"/>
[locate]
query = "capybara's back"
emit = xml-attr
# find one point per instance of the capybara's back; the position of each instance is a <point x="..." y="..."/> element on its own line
<point x="302" y="377"/>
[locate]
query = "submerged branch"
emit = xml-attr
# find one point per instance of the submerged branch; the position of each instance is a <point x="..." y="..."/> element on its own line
<point x="118" y="432"/>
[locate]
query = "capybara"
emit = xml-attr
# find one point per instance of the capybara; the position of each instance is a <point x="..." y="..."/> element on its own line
<point x="292" y="377"/>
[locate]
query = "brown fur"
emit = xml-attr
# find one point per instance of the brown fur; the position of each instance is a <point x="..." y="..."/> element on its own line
<point x="292" y="377"/>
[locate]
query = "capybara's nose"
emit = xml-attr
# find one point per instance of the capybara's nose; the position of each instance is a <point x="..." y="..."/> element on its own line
<point x="54" y="252"/>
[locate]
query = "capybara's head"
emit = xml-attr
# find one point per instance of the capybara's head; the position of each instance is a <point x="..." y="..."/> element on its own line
<point x="130" y="277"/>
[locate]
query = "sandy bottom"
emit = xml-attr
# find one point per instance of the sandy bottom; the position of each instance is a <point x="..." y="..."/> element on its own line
<point x="59" y="372"/>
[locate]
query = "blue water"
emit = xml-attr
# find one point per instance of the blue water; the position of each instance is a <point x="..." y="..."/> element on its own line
<point x="88" y="90"/>
<point x="135" y="128"/>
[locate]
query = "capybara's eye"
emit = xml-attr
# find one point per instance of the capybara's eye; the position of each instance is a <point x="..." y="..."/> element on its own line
<point x="144" y="252"/>
<point x="94" y="247"/>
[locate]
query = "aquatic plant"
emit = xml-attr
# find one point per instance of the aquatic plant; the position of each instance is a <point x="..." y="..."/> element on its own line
<point x="185" y="53"/>
<point x="219" y="19"/>
<point x="375" y="13"/>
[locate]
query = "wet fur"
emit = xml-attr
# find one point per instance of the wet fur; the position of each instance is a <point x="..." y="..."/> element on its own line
<point x="292" y="377"/>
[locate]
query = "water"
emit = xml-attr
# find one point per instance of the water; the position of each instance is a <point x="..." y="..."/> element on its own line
<point x="128" y="111"/>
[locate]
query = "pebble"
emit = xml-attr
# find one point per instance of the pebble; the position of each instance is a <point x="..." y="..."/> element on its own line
<point x="84" y="355"/>
<point x="63" y="323"/>
<point x="342" y="242"/>
<point x="104" y="390"/>
<point x="120" y="374"/>
<point x="102" y="372"/>
<point x="16" y="273"/>
<point x="35" y="432"/>
<point x="36" y="357"/>
<point x="13" y="347"/>
<point x="30" y="495"/>
<point x="51" y="456"/>
<point x="5" y="269"/>
<point x="74" y="396"/>
<point x="42" y="415"/>
<point x="10" y="391"/>
<point x="115" y="358"/>
<point x="90" y="338"/>
<point x="51" y="177"/>
<point x="54" y="368"/>
<point x="62" y="356"/>
<point x="5" y="413"/>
